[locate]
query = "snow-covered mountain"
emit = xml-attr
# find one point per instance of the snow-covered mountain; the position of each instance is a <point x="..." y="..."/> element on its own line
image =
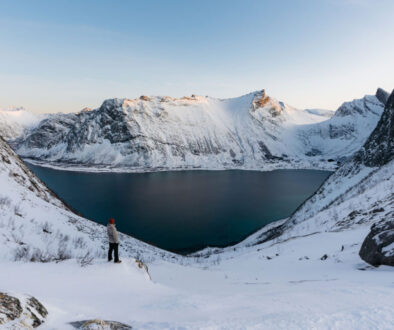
<point x="253" y="131"/>
<point x="14" y="121"/>
<point x="350" y="197"/>
<point x="347" y="130"/>
<point x="36" y="226"/>
<point x="302" y="272"/>
<point x="358" y="194"/>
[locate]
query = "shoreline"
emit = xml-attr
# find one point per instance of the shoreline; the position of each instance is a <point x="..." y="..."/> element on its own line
<point x="319" y="166"/>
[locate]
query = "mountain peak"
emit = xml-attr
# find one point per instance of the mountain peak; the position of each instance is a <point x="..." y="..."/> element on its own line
<point x="363" y="106"/>
<point x="382" y="95"/>
<point x="378" y="149"/>
<point x="262" y="100"/>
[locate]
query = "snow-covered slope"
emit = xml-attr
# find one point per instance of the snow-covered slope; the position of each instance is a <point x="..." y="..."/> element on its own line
<point x="358" y="194"/>
<point x="347" y="130"/>
<point x="14" y="121"/>
<point x="364" y="183"/>
<point x="253" y="131"/>
<point x="36" y="226"/>
<point x="284" y="286"/>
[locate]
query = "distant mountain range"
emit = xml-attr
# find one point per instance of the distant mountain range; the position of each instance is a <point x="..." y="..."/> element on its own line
<point x="254" y="131"/>
<point x="14" y="122"/>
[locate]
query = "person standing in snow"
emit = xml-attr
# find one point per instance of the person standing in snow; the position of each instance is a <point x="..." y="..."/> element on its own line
<point x="113" y="241"/>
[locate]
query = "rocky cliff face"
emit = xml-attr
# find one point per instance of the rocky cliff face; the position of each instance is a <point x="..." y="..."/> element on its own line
<point x="378" y="246"/>
<point x="254" y="131"/>
<point x="379" y="148"/>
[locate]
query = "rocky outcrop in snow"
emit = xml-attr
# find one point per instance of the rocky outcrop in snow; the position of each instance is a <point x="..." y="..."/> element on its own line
<point x="378" y="246"/>
<point x="382" y="95"/>
<point x="100" y="325"/>
<point x="253" y="131"/>
<point x="21" y="312"/>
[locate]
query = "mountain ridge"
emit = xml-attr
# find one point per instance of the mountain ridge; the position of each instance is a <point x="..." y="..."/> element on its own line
<point x="358" y="194"/>
<point x="254" y="131"/>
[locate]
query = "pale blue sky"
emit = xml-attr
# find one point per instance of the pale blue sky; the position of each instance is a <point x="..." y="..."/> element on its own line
<point x="65" y="55"/>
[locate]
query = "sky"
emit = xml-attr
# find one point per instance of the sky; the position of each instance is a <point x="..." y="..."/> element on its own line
<point x="66" y="55"/>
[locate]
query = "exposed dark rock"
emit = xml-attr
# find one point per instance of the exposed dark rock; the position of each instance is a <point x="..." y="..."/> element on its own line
<point x="27" y="314"/>
<point x="266" y="152"/>
<point x="382" y="95"/>
<point x="353" y="214"/>
<point x="269" y="235"/>
<point x="98" y="324"/>
<point x="39" y="308"/>
<point x="378" y="150"/>
<point x="313" y="152"/>
<point x="324" y="257"/>
<point x="145" y="98"/>
<point x="10" y="308"/>
<point x="378" y="247"/>
<point x="342" y="131"/>
<point x="261" y="100"/>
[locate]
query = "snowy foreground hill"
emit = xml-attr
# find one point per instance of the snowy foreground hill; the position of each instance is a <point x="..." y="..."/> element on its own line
<point x="299" y="273"/>
<point x="253" y="131"/>
<point x="36" y="226"/>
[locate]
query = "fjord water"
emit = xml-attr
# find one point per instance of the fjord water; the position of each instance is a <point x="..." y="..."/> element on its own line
<point x="184" y="211"/>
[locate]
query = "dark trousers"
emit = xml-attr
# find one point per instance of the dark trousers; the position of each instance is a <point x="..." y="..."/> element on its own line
<point x="113" y="247"/>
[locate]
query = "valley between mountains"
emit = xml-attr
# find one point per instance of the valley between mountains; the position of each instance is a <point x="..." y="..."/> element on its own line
<point x="323" y="267"/>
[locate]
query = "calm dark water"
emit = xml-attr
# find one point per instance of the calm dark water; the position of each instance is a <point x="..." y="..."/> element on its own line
<point x="188" y="210"/>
